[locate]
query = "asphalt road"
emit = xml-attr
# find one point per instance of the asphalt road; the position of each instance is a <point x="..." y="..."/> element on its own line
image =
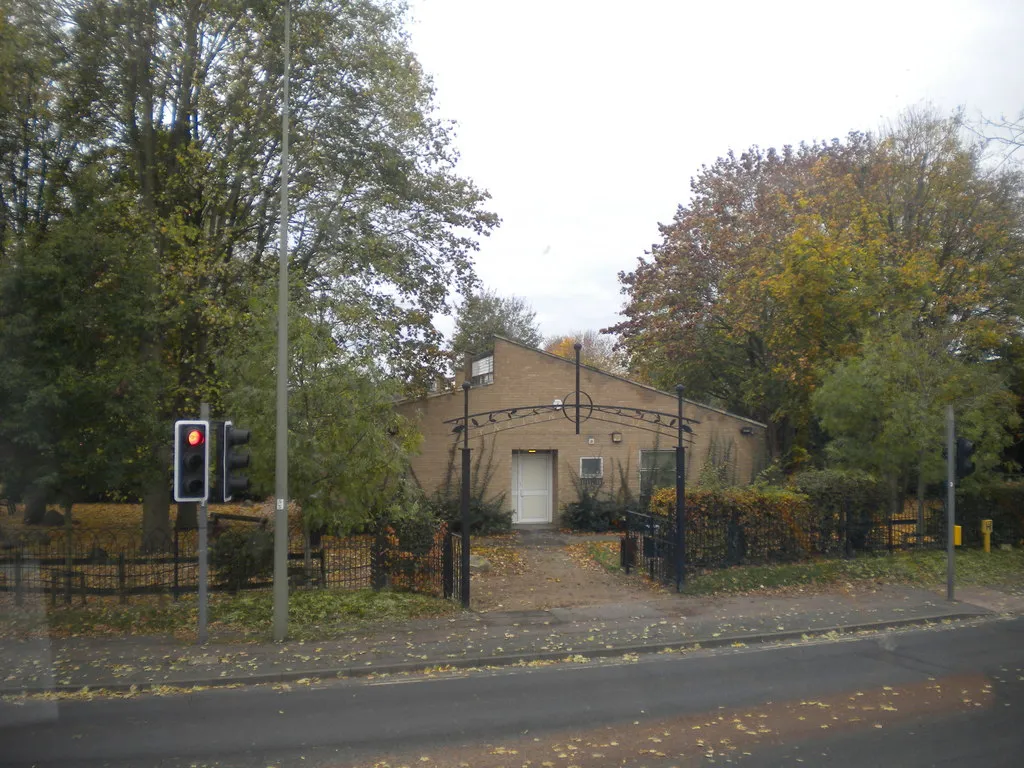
<point x="916" y="698"/>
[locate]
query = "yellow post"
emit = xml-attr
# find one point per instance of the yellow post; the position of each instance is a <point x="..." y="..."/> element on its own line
<point x="956" y="536"/>
<point x="986" y="533"/>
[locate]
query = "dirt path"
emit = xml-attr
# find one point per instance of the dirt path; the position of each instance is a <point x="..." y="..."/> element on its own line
<point x="536" y="571"/>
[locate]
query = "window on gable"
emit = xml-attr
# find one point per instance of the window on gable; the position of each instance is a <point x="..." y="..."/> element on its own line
<point x="482" y="371"/>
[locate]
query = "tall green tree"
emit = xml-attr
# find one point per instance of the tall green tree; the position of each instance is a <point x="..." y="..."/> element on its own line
<point x="348" y="449"/>
<point x="75" y="397"/>
<point x="179" y="104"/>
<point x="483" y="315"/>
<point x="885" y="407"/>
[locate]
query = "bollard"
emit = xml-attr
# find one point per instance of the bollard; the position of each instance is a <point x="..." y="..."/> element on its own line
<point x="986" y="533"/>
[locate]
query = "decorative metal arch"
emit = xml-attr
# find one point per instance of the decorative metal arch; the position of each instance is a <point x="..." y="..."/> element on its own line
<point x="658" y="422"/>
<point x="578" y="407"/>
<point x="501" y="419"/>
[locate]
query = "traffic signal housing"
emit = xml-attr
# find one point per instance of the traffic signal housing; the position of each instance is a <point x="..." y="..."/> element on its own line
<point x="964" y="462"/>
<point x="191" y="460"/>
<point x="231" y="460"/>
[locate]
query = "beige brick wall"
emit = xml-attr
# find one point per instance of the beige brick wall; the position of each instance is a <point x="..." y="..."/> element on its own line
<point x="524" y="377"/>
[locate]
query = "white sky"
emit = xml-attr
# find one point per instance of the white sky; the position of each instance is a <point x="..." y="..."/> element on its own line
<point x="586" y="119"/>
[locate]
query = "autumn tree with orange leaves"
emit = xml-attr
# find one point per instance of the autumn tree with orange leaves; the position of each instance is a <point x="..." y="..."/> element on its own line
<point x="783" y="261"/>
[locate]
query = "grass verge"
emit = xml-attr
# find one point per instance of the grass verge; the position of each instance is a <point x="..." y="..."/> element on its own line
<point x="973" y="567"/>
<point x="312" y="615"/>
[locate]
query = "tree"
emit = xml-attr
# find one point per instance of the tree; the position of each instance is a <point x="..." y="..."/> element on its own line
<point x="784" y="262"/>
<point x="348" y="448"/>
<point x="598" y="350"/>
<point x="884" y="409"/>
<point x="484" y="315"/>
<point x="177" y="105"/>
<point x="77" y="402"/>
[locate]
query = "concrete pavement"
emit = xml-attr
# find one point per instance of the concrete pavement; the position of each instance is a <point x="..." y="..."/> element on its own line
<point x="475" y="640"/>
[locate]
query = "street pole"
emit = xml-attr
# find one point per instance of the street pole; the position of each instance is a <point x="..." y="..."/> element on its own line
<point x="281" y="460"/>
<point x="204" y="414"/>
<point x="950" y="499"/>
<point x="464" y="500"/>
<point x="680" y="537"/>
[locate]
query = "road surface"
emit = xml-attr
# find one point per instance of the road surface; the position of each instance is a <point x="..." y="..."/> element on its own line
<point x="938" y="696"/>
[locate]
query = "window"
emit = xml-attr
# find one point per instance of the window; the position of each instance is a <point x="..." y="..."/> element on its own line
<point x="592" y="468"/>
<point x="482" y="371"/>
<point x="657" y="470"/>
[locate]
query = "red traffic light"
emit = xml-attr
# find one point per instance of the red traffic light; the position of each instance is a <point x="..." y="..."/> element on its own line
<point x="196" y="437"/>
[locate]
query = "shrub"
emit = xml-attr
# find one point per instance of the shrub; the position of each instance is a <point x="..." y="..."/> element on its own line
<point x="592" y="514"/>
<point x="600" y="505"/>
<point x="486" y="516"/>
<point x="847" y="504"/>
<point x="238" y="556"/>
<point x="415" y="534"/>
<point x="742" y="525"/>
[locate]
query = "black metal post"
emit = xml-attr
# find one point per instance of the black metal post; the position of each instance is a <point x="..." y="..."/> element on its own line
<point x="680" y="494"/>
<point x="950" y="502"/>
<point x="19" y="598"/>
<point x="464" y="501"/>
<point x="447" y="566"/>
<point x="122" y="579"/>
<point x="577" y="346"/>
<point x="627" y="544"/>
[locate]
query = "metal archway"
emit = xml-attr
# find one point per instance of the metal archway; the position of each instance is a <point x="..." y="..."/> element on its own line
<point x="658" y="422"/>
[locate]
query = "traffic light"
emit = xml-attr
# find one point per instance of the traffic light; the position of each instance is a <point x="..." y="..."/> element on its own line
<point x="231" y="460"/>
<point x="191" y="460"/>
<point x="964" y="463"/>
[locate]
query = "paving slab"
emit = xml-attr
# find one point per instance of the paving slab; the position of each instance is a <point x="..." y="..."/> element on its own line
<point x="470" y="639"/>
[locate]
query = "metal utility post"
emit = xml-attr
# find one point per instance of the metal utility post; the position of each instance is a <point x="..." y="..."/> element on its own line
<point x="680" y="542"/>
<point x="464" y="500"/>
<point x="950" y="499"/>
<point x="204" y="415"/>
<point x="281" y="461"/>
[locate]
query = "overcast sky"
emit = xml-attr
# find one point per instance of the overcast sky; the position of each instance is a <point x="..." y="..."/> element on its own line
<point x="586" y="119"/>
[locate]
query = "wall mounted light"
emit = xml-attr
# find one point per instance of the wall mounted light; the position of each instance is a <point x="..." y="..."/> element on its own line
<point x="746" y="430"/>
<point x="616" y="437"/>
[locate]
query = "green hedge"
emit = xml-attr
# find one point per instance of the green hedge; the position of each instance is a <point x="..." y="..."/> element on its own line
<point x="744" y="525"/>
<point x="848" y="502"/>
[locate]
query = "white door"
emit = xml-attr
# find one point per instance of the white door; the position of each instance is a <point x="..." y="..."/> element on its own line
<point x="531" y="487"/>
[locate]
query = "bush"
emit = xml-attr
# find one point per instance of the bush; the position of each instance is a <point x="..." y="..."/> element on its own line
<point x="416" y="534"/>
<point x="593" y="514"/>
<point x="742" y="525"/>
<point x="238" y="556"/>
<point x="847" y="505"/>
<point x="486" y="517"/>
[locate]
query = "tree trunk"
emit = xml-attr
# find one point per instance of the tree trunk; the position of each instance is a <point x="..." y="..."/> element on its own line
<point x="35" y="506"/>
<point x="156" y="506"/>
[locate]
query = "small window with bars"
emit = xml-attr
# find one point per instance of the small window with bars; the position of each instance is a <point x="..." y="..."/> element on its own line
<point x="482" y="371"/>
<point x="591" y="468"/>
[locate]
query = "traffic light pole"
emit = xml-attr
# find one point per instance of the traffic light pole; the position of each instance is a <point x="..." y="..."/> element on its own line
<point x="950" y="499"/>
<point x="281" y="460"/>
<point x="204" y="414"/>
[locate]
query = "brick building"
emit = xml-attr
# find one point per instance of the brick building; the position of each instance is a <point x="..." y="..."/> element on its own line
<point x="523" y="434"/>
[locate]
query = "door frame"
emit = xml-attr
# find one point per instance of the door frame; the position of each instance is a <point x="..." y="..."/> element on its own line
<point x="514" y="483"/>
